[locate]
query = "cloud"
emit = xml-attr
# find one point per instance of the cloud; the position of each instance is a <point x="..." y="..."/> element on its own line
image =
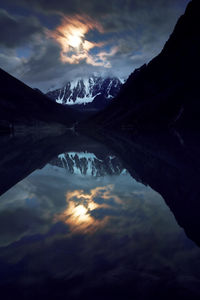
<point x="44" y="68"/>
<point x="9" y="61"/>
<point x="17" y="31"/>
<point x="71" y="37"/>
<point x="52" y="60"/>
<point x="96" y="8"/>
<point x="106" y="37"/>
<point x="113" y="15"/>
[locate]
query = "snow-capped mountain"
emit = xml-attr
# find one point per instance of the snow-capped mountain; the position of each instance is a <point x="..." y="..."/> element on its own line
<point x="94" y="92"/>
<point x="85" y="163"/>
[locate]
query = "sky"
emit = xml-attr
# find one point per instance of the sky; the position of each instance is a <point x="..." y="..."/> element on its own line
<point x="46" y="43"/>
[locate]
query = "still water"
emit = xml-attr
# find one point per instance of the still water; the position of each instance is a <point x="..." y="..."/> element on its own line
<point x="82" y="227"/>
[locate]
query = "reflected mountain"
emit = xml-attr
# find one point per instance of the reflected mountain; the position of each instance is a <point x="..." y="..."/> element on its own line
<point x="22" y="154"/>
<point x="168" y="163"/>
<point x="88" y="164"/>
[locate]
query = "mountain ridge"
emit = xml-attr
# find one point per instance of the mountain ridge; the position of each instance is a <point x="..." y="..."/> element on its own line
<point x="88" y="92"/>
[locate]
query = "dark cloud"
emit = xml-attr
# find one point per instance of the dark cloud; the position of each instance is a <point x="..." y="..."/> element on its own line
<point x="9" y="61"/>
<point x="44" y="69"/>
<point x="102" y="8"/>
<point x="137" y="29"/>
<point x="16" y="31"/>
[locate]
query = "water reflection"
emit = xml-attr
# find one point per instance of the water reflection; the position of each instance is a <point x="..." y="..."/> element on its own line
<point x="79" y="208"/>
<point x="70" y="235"/>
<point x="88" y="164"/>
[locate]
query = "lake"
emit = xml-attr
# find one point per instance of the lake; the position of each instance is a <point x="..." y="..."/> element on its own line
<point x="86" y="219"/>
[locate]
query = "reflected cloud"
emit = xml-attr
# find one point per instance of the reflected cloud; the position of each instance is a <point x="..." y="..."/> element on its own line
<point x="80" y="206"/>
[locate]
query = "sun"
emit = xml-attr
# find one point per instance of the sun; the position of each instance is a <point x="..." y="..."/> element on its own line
<point x="72" y="36"/>
<point x="74" y="40"/>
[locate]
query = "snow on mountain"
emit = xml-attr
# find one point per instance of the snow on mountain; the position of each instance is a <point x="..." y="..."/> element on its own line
<point x="85" y="91"/>
<point x="85" y="163"/>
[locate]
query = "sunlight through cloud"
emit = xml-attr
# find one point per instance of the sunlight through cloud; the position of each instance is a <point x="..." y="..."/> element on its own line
<point x="71" y="35"/>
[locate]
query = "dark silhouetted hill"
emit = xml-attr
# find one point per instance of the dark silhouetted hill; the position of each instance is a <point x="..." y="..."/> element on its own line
<point x="164" y="92"/>
<point x="19" y="104"/>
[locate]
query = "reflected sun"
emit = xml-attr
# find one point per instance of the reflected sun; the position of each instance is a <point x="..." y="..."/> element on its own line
<point x="78" y="214"/>
<point x="78" y="217"/>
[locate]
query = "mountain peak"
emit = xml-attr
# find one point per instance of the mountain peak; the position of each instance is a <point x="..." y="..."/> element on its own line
<point x="84" y="91"/>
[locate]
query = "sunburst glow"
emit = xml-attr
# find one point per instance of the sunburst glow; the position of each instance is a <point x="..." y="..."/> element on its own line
<point x="75" y="40"/>
<point x="80" y="213"/>
<point x="71" y="35"/>
<point x="80" y="205"/>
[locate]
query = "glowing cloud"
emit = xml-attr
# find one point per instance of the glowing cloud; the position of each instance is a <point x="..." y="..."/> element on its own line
<point x="74" y="46"/>
<point x="80" y="205"/>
